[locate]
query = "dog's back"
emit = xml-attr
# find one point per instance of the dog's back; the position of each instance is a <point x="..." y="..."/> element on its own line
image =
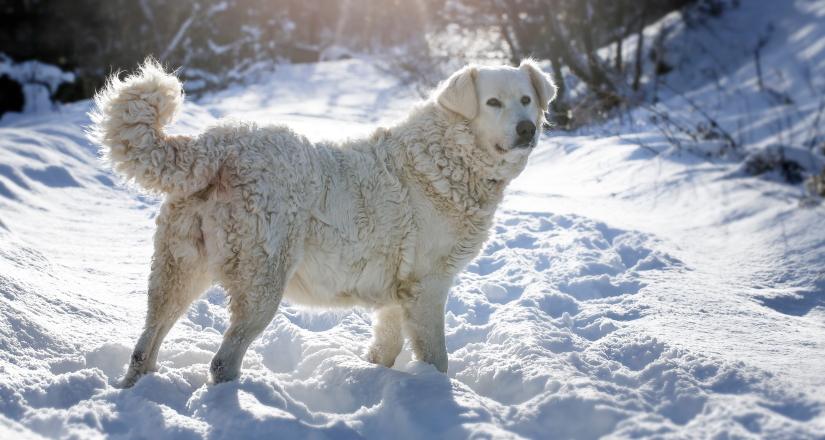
<point x="345" y="208"/>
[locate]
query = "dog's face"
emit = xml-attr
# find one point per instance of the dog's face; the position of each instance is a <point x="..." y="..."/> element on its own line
<point x="505" y="107"/>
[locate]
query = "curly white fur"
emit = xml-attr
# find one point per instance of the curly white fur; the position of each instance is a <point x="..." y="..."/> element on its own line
<point x="383" y="222"/>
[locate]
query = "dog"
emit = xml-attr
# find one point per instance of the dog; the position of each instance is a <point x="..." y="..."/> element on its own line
<point x="384" y="222"/>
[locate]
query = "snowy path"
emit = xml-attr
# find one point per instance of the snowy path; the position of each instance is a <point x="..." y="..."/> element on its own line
<point x="754" y="258"/>
<point x="622" y="295"/>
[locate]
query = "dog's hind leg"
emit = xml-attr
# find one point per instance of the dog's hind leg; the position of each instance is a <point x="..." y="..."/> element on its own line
<point x="254" y="297"/>
<point x="179" y="276"/>
<point x="387" y="336"/>
<point x="424" y="321"/>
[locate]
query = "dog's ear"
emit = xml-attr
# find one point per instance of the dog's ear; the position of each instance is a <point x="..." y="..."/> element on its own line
<point x="458" y="93"/>
<point x="542" y="82"/>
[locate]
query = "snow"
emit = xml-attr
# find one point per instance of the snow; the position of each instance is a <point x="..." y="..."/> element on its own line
<point x="627" y="292"/>
<point x="40" y="81"/>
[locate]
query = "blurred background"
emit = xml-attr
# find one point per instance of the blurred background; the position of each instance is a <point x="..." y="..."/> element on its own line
<point x="595" y="48"/>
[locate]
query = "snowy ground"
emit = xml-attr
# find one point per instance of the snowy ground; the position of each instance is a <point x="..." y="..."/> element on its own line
<point x="624" y="294"/>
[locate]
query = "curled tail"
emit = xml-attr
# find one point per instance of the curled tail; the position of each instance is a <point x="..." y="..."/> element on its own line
<point x="128" y="125"/>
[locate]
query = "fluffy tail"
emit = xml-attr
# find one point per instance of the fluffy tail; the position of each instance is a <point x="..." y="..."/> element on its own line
<point x="128" y="124"/>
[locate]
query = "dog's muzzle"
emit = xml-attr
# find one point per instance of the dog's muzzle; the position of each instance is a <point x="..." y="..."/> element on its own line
<point x="526" y="131"/>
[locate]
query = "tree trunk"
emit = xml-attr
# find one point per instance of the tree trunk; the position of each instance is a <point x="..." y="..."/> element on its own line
<point x="515" y="53"/>
<point x="598" y="74"/>
<point x="558" y="78"/>
<point x="640" y="49"/>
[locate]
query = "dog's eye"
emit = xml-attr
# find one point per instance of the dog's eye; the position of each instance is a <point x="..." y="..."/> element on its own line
<point x="493" y="102"/>
<point x="525" y="100"/>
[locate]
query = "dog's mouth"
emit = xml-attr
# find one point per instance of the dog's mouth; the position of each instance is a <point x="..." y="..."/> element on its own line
<point x="529" y="144"/>
<point x="519" y="146"/>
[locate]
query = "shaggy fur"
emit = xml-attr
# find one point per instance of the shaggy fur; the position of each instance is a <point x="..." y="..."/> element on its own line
<point x="384" y="222"/>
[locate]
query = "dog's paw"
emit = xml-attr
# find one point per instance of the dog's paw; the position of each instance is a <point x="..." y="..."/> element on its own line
<point x="138" y="367"/>
<point x="376" y="356"/>
<point x="219" y="372"/>
<point x="128" y="381"/>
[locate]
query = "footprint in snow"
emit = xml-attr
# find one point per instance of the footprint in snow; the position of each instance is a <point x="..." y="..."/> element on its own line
<point x="575" y="271"/>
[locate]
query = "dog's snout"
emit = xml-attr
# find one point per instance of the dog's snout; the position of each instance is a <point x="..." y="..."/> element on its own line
<point x="526" y="130"/>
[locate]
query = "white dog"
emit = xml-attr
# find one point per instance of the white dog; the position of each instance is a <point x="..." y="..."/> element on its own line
<point x="383" y="222"/>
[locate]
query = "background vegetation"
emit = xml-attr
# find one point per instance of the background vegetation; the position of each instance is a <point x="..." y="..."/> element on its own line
<point x="215" y="42"/>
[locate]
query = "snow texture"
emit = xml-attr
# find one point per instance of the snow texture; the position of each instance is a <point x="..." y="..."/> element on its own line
<point x="627" y="291"/>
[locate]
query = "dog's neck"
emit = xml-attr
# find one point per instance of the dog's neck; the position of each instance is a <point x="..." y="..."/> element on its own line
<point x="440" y="156"/>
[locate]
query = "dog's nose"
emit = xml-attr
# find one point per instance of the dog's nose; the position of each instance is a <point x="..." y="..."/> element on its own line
<point x="526" y="130"/>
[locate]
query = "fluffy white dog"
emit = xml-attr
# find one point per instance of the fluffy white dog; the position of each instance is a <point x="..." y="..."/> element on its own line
<point x="383" y="222"/>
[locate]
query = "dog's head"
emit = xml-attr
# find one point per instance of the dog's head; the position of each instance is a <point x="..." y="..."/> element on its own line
<point x="505" y="108"/>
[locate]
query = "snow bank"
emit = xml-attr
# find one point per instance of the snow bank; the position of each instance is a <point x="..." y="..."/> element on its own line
<point x="749" y="80"/>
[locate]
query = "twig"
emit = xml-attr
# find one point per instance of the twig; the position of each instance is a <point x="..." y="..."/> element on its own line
<point x="814" y="135"/>
<point x="712" y="121"/>
<point x="181" y="32"/>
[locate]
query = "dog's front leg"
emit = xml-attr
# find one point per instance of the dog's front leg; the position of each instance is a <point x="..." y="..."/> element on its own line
<point x="387" y="339"/>
<point x="424" y="320"/>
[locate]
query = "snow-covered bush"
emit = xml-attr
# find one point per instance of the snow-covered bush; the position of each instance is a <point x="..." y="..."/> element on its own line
<point x="37" y="83"/>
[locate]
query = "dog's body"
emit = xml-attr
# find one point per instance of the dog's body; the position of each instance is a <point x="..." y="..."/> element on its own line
<point x="384" y="222"/>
